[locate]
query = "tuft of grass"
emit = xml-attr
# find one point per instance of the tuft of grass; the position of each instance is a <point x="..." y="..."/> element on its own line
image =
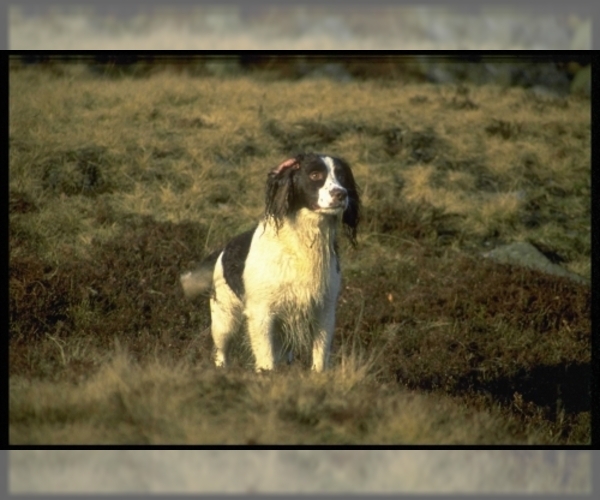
<point x="172" y="401"/>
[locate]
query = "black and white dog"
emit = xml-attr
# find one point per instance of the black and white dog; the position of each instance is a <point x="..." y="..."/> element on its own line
<point x="283" y="277"/>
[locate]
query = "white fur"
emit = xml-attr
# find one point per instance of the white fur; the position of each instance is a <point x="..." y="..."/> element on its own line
<point x="290" y="296"/>
<point x="291" y="280"/>
<point x="326" y="199"/>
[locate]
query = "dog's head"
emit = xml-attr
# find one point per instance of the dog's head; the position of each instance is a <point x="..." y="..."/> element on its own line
<point x="321" y="183"/>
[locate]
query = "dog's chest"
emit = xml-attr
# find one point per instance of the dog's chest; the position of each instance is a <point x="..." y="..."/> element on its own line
<point x="290" y="271"/>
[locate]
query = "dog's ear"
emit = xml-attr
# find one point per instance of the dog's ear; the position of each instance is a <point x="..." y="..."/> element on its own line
<point x="279" y="190"/>
<point x="291" y="163"/>
<point x="351" y="215"/>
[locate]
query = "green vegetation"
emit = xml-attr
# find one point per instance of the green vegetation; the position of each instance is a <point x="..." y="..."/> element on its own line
<point x="117" y="185"/>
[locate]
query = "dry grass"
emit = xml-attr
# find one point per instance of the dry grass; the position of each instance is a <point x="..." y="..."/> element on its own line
<point x="118" y="185"/>
<point x="166" y="402"/>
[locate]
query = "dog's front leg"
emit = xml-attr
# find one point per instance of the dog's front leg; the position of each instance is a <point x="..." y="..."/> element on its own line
<point x="260" y="331"/>
<point x="324" y="334"/>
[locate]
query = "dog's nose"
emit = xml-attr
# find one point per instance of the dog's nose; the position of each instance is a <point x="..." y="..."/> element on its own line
<point x="339" y="194"/>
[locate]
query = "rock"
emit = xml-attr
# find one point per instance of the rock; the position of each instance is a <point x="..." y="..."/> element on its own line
<point x="524" y="254"/>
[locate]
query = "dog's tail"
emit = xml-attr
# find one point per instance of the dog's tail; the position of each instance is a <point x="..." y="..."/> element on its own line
<point x="199" y="281"/>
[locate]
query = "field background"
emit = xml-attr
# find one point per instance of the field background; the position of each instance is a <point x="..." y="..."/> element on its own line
<point x="123" y="177"/>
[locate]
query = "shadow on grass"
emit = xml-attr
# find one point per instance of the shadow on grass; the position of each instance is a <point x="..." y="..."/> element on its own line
<point x="563" y="386"/>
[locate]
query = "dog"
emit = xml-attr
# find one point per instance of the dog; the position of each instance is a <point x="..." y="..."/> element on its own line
<point x="282" y="278"/>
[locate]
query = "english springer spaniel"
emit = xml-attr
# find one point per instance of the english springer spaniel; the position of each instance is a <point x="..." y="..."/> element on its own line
<point x="283" y="277"/>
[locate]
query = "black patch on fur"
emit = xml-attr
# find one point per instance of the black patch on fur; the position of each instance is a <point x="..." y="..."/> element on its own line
<point x="351" y="215"/>
<point x="234" y="261"/>
<point x="279" y="194"/>
<point x="210" y="261"/>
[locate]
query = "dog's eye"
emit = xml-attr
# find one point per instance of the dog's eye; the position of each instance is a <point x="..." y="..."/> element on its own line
<point x="316" y="176"/>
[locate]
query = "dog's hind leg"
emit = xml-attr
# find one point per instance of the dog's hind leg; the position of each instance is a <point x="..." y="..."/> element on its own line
<point x="225" y="314"/>
<point x="224" y="323"/>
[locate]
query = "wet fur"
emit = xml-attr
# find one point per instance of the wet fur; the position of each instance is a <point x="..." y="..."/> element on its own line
<point x="283" y="278"/>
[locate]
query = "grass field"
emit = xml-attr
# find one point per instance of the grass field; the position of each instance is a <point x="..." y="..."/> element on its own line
<point x="117" y="185"/>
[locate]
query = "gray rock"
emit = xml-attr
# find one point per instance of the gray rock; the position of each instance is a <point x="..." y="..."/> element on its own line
<point x="525" y="254"/>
